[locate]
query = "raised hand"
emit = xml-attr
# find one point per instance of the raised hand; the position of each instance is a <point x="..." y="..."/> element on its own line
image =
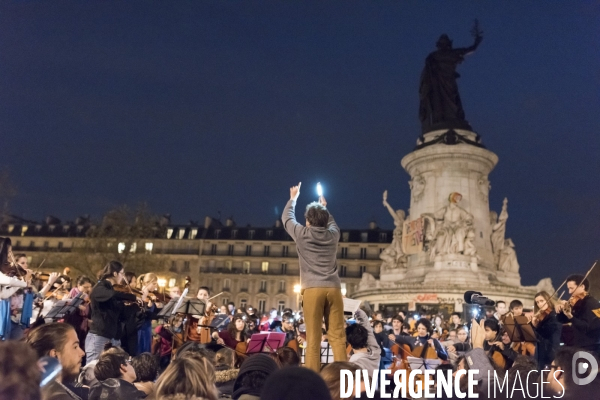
<point x="295" y="191"/>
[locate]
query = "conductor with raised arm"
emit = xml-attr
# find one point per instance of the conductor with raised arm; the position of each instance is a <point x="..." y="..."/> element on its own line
<point x="321" y="291"/>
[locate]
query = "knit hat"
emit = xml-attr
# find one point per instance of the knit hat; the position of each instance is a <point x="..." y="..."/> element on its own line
<point x="295" y="383"/>
<point x="256" y="362"/>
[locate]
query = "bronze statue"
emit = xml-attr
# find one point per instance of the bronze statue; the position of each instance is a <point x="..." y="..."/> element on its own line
<point x="440" y="105"/>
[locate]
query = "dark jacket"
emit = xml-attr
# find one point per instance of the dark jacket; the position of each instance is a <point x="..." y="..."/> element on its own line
<point x="548" y="335"/>
<point x="58" y="391"/>
<point x="439" y="349"/>
<point x="115" y="389"/>
<point x="106" y="309"/>
<point x="585" y="322"/>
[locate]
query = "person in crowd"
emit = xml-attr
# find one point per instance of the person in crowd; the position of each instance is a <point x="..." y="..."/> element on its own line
<point x="317" y="245"/>
<point x="115" y="376"/>
<point x="460" y="345"/>
<point x="500" y="310"/>
<point x="87" y="378"/>
<point x="106" y="307"/>
<point x="149" y="284"/>
<point x="59" y="340"/>
<point x="252" y="377"/>
<point x="231" y="308"/>
<point x="582" y="311"/>
<point x="288" y="357"/>
<point x="226" y="371"/>
<point x="424" y="331"/>
<point x="525" y="348"/>
<point x="223" y="310"/>
<point x="547" y="329"/>
<point x="295" y="383"/>
<point x="476" y="359"/>
<point x="187" y="378"/>
<point x="396" y="328"/>
<point x="131" y="279"/>
<point x="455" y="320"/>
<point x="234" y="334"/>
<point x="196" y="331"/>
<point x="382" y="340"/>
<point x="146" y="368"/>
<point x="287" y="327"/>
<point x="19" y="372"/>
<point x="331" y="374"/>
<point x="439" y="325"/>
<point x="502" y="356"/>
<point x="80" y="318"/>
<point x="360" y="336"/>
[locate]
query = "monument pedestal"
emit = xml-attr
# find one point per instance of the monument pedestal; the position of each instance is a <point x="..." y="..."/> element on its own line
<point x="456" y="269"/>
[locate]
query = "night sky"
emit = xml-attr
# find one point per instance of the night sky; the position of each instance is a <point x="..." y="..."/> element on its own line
<point x="199" y="107"/>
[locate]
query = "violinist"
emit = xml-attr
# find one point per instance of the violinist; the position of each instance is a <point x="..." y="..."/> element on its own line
<point x="547" y="329"/>
<point x="198" y="330"/>
<point x="106" y="306"/>
<point x="582" y="312"/>
<point x="524" y="348"/>
<point x="234" y="335"/>
<point x="424" y="339"/>
<point x="80" y="319"/>
<point x="149" y="284"/>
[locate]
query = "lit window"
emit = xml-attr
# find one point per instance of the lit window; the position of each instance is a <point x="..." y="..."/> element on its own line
<point x="265" y="267"/>
<point x="169" y="233"/>
<point x="149" y="247"/>
<point x="181" y="233"/>
<point x="193" y="233"/>
<point x="133" y="247"/>
<point x="343" y="289"/>
<point x="172" y="282"/>
<point x="246" y="268"/>
<point x="24" y="229"/>
<point x="121" y="247"/>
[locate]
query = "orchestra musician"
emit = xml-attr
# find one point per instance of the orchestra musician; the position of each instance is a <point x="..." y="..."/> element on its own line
<point x="80" y="319"/>
<point x="149" y="283"/>
<point x="198" y="330"/>
<point x="547" y="329"/>
<point x="106" y="306"/>
<point x="287" y="326"/>
<point x="493" y="345"/>
<point x="424" y="331"/>
<point x="234" y="336"/>
<point x="582" y="312"/>
<point x="524" y="348"/>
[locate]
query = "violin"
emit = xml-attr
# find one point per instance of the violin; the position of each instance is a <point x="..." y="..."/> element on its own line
<point x="13" y="270"/>
<point x="573" y="300"/>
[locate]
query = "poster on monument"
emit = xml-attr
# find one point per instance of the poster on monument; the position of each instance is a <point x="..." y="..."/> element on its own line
<point x="412" y="236"/>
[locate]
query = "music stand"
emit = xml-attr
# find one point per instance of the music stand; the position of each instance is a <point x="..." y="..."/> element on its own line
<point x="423" y="363"/>
<point x="518" y="329"/>
<point x="167" y="310"/>
<point x="326" y="354"/>
<point x="220" y="321"/>
<point x="267" y="342"/>
<point x="63" y="308"/>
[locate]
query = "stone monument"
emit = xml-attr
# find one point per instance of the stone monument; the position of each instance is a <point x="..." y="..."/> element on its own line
<point x="462" y="243"/>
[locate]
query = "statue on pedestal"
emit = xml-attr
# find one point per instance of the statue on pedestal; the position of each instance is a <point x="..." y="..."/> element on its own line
<point x="440" y="104"/>
<point x="393" y="257"/>
<point x="499" y="230"/>
<point x="452" y="229"/>
<point x="508" y="258"/>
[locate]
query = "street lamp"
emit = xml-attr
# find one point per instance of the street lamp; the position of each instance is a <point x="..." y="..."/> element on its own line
<point x="297" y="289"/>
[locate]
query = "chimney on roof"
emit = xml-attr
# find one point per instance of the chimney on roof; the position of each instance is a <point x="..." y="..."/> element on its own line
<point x="372" y="225"/>
<point x="207" y="222"/>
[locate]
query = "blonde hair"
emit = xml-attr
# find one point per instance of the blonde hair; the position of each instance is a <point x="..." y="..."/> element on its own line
<point x="189" y="376"/>
<point x="144" y="280"/>
<point x="546" y="297"/>
<point x="331" y="376"/>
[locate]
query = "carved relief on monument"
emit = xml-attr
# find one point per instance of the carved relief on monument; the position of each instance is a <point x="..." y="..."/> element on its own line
<point x="484" y="187"/>
<point x="417" y="187"/>
<point x="393" y="257"/>
<point x="450" y="230"/>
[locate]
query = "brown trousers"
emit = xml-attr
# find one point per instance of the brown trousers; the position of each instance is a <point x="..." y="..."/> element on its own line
<point x="316" y="304"/>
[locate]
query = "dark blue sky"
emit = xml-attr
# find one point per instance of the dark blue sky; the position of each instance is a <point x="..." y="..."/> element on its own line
<point x="196" y="107"/>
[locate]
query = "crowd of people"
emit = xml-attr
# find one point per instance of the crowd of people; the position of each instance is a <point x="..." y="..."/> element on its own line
<point x="116" y="343"/>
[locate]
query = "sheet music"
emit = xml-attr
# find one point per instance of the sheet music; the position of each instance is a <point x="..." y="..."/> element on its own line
<point x="351" y="305"/>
